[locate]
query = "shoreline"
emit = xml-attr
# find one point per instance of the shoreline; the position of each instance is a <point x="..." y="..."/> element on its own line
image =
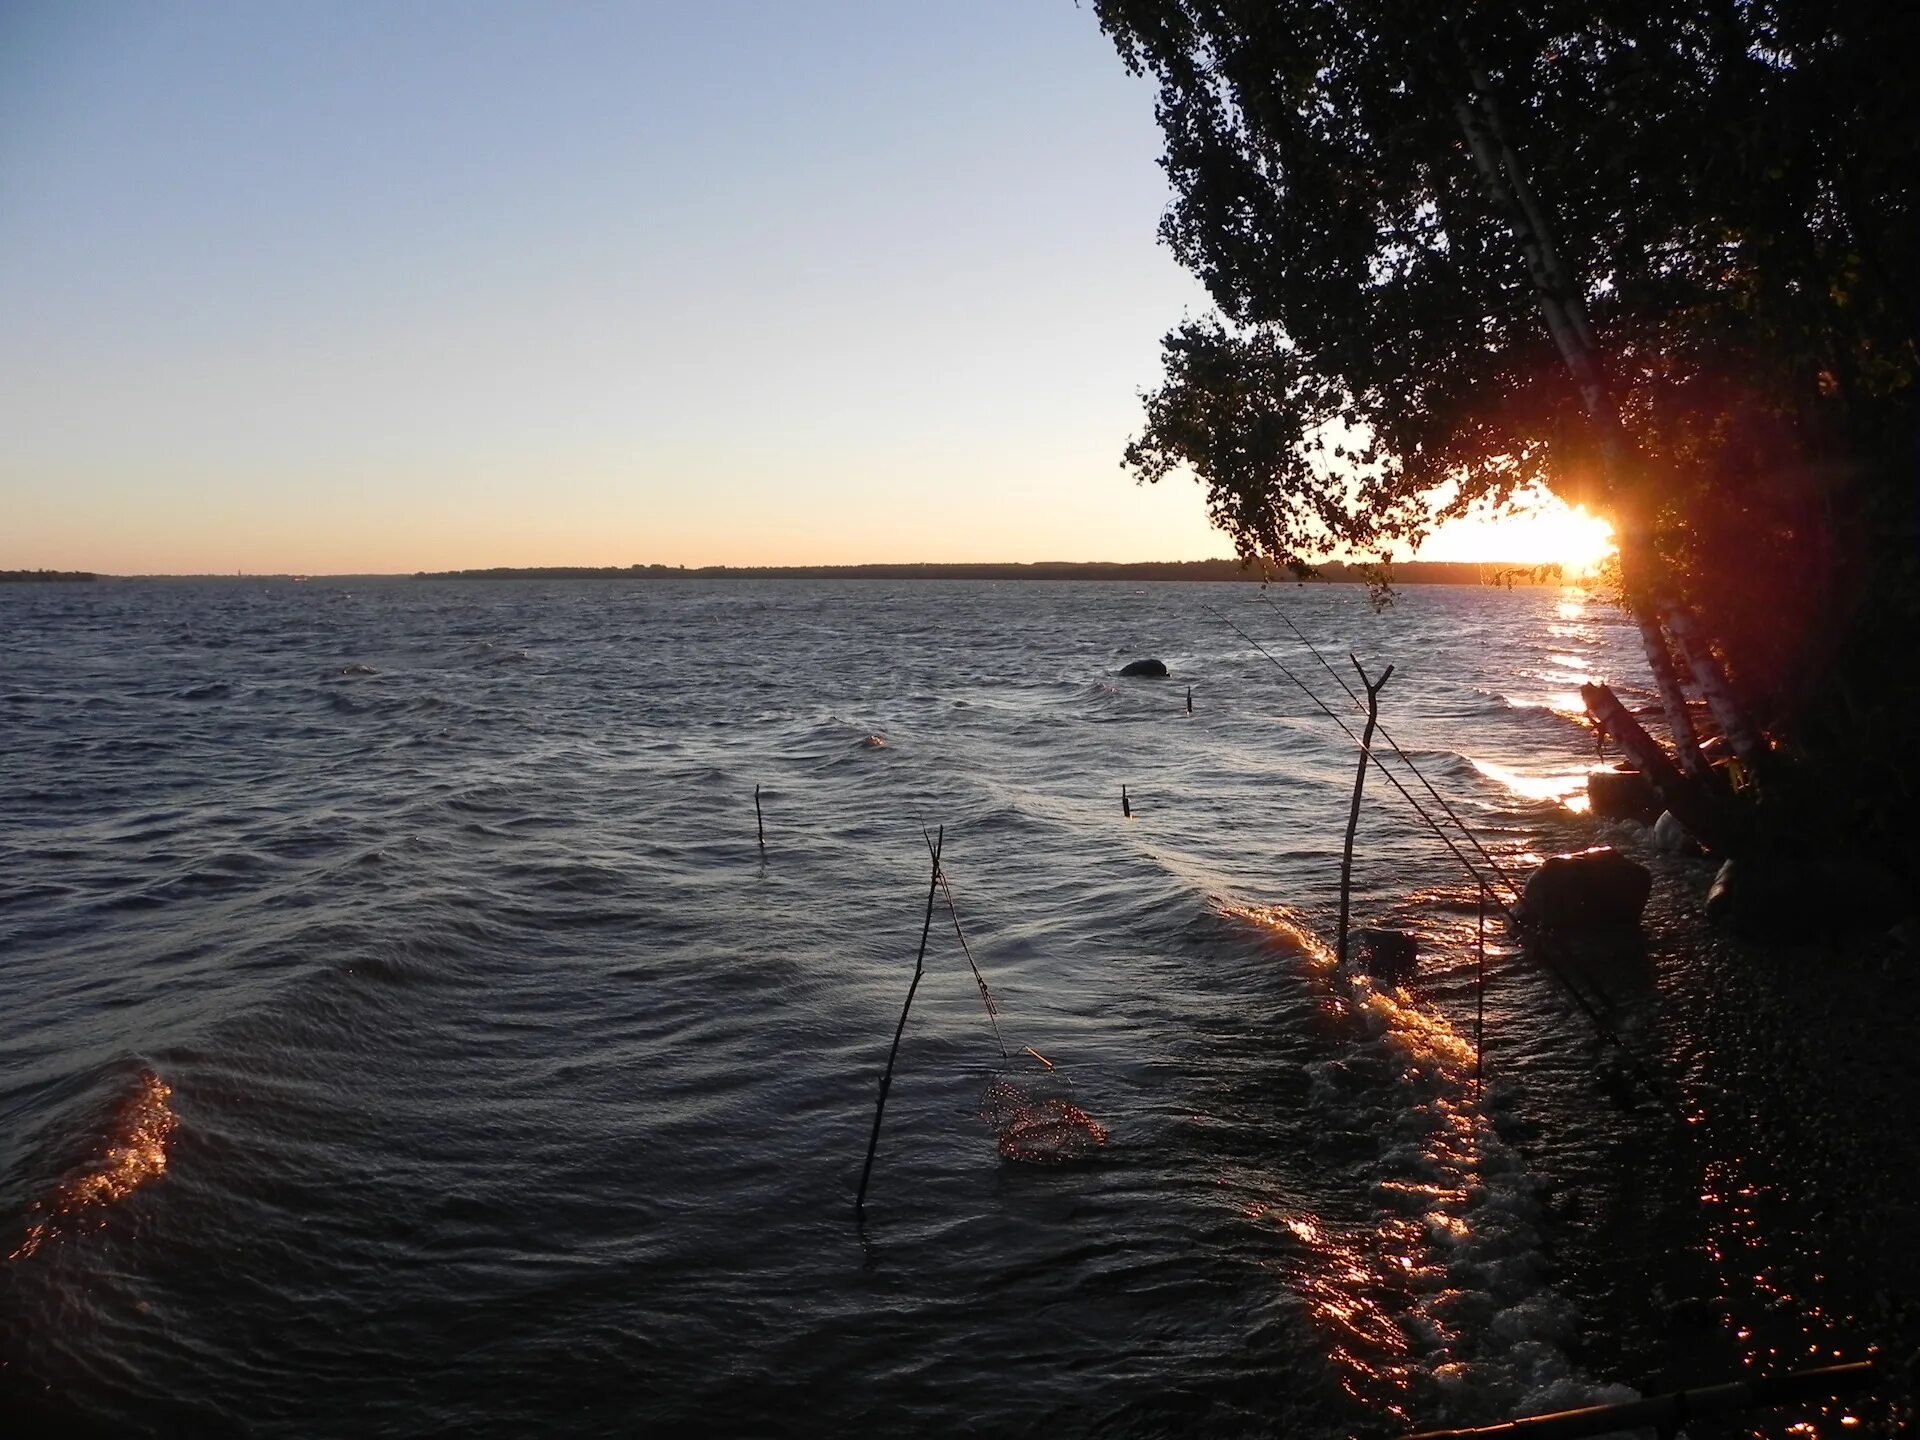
<point x="1488" y="575"/>
<point x="1785" y="1205"/>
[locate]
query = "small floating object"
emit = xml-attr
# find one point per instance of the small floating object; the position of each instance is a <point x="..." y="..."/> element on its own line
<point x="1673" y="837"/>
<point x="1145" y="667"/>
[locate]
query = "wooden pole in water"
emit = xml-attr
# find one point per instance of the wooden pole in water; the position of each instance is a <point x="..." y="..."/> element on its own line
<point x="1480" y="997"/>
<point x="1189" y="699"/>
<point x="1353" y="811"/>
<point x="1126" y="805"/>
<point x="886" y="1078"/>
<point x="759" y="822"/>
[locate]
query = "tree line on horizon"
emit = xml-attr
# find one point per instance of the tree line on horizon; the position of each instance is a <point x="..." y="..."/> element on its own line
<point x="1405" y="572"/>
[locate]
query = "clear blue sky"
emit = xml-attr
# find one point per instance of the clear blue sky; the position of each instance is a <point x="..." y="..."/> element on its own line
<point x="355" y="286"/>
<point x="358" y="286"/>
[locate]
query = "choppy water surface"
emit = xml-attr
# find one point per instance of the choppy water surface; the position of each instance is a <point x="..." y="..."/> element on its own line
<point x="404" y="1032"/>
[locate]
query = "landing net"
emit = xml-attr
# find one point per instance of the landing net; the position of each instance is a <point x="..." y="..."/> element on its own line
<point x="1028" y="1102"/>
<point x="1029" y="1106"/>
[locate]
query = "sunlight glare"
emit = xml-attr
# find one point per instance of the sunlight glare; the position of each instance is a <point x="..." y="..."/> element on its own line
<point x="1544" y="530"/>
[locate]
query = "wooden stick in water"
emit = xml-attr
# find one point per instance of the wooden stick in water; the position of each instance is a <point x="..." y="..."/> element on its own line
<point x="1353" y="811"/>
<point x="886" y="1078"/>
<point x="759" y="822"/>
<point x="1480" y="988"/>
<point x="1126" y="805"/>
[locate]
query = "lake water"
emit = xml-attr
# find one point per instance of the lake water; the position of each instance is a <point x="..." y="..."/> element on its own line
<point x="404" y="1032"/>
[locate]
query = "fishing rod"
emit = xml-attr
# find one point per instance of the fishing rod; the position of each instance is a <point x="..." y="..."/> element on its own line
<point x="1667" y="1413"/>
<point x="1605" y="1031"/>
<point x="1387" y="735"/>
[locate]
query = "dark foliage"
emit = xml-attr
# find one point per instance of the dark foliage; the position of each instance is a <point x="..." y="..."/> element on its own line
<point x="1730" y="188"/>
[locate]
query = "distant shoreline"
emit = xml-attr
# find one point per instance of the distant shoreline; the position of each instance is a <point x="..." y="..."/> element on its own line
<point x="1410" y="572"/>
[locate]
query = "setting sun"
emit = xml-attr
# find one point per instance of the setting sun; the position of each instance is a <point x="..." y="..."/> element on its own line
<point x="1544" y="531"/>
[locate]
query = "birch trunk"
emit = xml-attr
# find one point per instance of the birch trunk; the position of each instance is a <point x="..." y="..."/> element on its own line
<point x="1691" y="804"/>
<point x="1747" y="743"/>
<point x="1566" y="319"/>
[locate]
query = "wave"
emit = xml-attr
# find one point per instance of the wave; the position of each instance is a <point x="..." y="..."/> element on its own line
<point x="1439" y="1299"/>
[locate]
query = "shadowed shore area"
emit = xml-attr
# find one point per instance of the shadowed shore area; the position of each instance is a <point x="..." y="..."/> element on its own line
<point x="1773" y="1203"/>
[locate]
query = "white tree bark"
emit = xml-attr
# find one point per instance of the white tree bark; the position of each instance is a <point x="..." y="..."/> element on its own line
<point x="1566" y="320"/>
<point x="1748" y="744"/>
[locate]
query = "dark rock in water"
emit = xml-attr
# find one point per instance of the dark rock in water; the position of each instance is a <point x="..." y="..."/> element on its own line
<point x="1597" y="889"/>
<point x="1383" y="951"/>
<point x="1623" y="795"/>
<point x="1144" y="667"/>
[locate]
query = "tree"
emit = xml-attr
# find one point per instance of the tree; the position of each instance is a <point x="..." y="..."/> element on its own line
<point x="1651" y="255"/>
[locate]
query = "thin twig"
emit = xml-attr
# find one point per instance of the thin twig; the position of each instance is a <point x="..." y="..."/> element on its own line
<point x="1480" y="998"/>
<point x="1353" y="813"/>
<point x="886" y="1078"/>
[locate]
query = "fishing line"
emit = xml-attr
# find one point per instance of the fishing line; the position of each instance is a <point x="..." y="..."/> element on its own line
<point x="1394" y="745"/>
<point x="1601" y="1027"/>
<point x="986" y="995"/>
<point x="1029" y="1108"/>
<point x="1366" y="750"/>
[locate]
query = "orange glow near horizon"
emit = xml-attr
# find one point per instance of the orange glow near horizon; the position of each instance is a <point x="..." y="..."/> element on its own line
<point x="1027" y="513"/>
<point x="1543" y="531"/>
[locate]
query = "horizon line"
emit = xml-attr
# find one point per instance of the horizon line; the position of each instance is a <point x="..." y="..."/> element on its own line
<point x="804" y="569"/>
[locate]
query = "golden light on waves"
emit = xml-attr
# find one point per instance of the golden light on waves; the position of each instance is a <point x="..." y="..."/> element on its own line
<point x="1392" y="1309"/>
<point x="134" y="1152"/>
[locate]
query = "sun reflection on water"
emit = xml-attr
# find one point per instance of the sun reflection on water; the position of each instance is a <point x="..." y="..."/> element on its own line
<point x="1568" y="790"/>
<point x="134" y="1152"/>
<point x="1438" y="1283"/>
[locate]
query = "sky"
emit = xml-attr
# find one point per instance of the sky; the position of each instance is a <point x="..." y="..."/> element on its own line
<point x="363" y="288"/>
